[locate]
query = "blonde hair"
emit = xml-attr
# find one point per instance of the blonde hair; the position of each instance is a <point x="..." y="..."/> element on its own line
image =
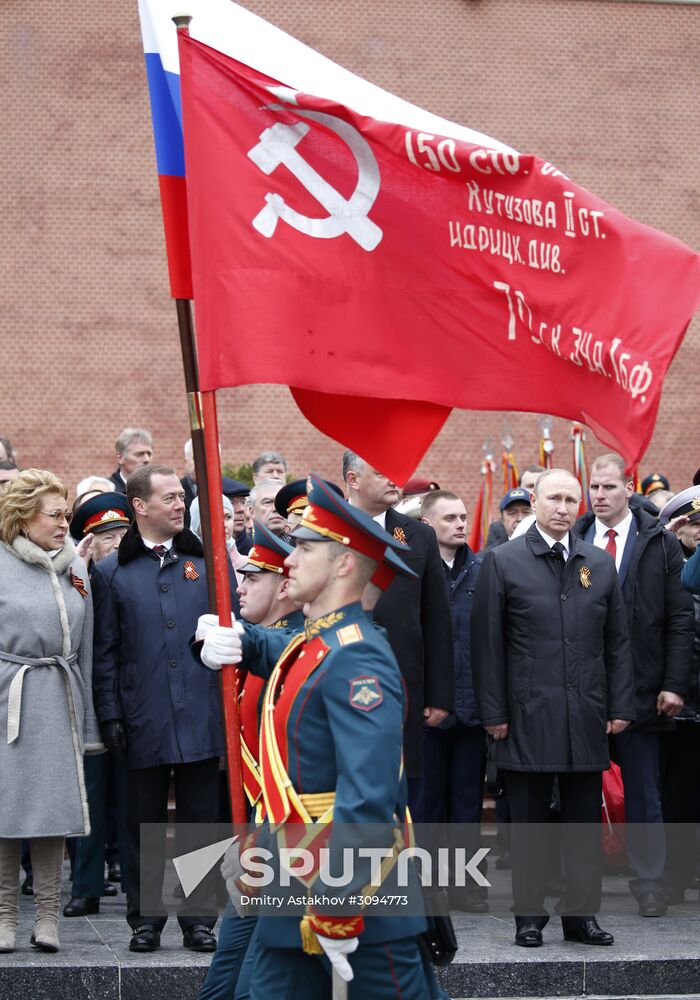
<point x="612" y="458"/>
<point x="21" y="500"/>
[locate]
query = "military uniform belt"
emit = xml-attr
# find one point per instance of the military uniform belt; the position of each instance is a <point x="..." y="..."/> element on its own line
<point x="317" y="803"/>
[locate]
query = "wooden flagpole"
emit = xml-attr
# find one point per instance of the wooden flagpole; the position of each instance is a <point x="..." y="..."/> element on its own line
<point x="205" y="448"/>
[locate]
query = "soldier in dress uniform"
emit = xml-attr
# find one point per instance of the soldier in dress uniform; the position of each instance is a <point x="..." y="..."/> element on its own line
<point x="331" y="748"/>
<point x="291" y="501"/>
<point x="265" y="602"/>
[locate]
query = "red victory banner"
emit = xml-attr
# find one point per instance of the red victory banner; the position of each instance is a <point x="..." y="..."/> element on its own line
<point x="344" y="255"/>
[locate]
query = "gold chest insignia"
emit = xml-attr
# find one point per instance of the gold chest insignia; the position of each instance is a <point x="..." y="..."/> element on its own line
<point x="400" y="534"/>
<point x="584" y="576"/>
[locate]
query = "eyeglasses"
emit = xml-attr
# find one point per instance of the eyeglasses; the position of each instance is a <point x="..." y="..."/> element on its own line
<point x="58" y="516"/>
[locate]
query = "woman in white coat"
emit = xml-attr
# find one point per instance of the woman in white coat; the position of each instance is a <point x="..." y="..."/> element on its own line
<point x="47" y="719"/>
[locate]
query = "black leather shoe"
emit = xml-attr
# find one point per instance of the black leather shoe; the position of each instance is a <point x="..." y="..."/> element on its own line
<point x="651" y="904"/>
<point x="588" y="932"/>
<point x="199" y="938"/>
<point x="109" y="889"/>
<point x="145" y="938"/>
<point x="528" y="936"/>
<point x="114" y="872"/>
<point x="80" y="906"/>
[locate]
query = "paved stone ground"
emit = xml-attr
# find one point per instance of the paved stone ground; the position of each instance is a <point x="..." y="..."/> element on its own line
<point x="651" y="957"/>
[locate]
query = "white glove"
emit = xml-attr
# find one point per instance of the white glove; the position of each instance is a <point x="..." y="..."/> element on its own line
<point x="336" y="949"/>
<point x="205" y="622"/>
<point x="231" y="871"/>
<point x="222" y="645"/>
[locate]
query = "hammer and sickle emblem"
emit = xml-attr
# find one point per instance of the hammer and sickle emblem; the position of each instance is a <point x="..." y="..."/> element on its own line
<point x="277" y="146"/>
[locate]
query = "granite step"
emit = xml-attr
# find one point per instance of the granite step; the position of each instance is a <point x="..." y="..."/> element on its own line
<point x="650" y="957"/>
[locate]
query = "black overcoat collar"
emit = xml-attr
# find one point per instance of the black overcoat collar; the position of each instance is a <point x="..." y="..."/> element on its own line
<point x="132" y="546"/>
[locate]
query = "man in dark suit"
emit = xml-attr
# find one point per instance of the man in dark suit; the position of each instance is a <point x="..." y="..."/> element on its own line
<point x="553" y="675"/>
<point x="414" y="612"/>
<point x="134" y="448"/>
<point x="660" y="614"/>
<point x="156" y="708"/>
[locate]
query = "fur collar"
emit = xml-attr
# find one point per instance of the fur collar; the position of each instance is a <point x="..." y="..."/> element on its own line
<point x="131" y="545"/>
<point x="30" y="553"/>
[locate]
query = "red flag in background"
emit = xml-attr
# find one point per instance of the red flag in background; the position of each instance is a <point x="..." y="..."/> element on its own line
<point x="481" y="518"/>
<point x="346" y="256"/>
<point x="578" y="437"/>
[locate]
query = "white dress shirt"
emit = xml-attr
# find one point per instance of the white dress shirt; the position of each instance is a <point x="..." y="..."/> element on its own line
<point x="550" y="541"/>
<point x="151" y="545"/>
<point x="381" y="519"/>
<point x="622" y="528"/>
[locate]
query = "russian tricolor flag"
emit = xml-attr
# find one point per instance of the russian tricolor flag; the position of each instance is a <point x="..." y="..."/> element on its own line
<point x="244" y="36"/>
<point x="163" y="73"/>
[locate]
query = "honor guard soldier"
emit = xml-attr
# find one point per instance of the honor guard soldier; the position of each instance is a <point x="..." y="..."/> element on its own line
<point x="330" y="748"/>
<point x="291" y="501"/>
<point x="264" y="601"/>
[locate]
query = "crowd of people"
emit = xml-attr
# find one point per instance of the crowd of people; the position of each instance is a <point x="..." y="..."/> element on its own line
<point x="567" y="642"/>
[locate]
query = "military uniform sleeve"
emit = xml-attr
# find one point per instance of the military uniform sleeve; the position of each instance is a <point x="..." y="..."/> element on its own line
<point x="436" y="621"/>
<point x="618" y="656"/>
<point x="262" y="648"/>
<point x="690" y="577"/>
<point x="680" y="622"/>
<point x="105" y="661"/>
<point x="362" y="695"/>
<point x="488" y="643"/>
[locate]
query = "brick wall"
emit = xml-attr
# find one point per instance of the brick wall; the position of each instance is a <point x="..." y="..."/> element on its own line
<point x="604" y="90"/>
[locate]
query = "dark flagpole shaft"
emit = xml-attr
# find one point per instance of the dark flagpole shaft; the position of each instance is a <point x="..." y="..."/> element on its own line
<point x="222" y="570"/>
<point x="205" y="448"/>
<point x="194" y="401"/>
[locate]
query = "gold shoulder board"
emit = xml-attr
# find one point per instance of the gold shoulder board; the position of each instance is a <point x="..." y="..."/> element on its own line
<point x="348" y="634"/>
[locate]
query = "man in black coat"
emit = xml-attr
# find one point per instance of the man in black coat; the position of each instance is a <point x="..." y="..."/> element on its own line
<point x="660" y="616"/>
<point x="680" y="750"/>
<point x="414" y="612"/>
<point x="454" y="753"/>
<point x="552" y="674"/>
<point x="134" y="448"/>
<point x="156" y="707"/>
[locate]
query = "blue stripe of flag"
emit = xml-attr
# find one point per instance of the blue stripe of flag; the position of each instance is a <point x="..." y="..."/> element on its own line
<point x="166" y="109"/>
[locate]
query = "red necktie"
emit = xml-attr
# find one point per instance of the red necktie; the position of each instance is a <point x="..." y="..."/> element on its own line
<point x="611" y="545"/>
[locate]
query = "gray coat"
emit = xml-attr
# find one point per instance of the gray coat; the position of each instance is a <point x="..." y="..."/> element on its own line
<point x="550" y="655"/>
<point x="47" y="719"/>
